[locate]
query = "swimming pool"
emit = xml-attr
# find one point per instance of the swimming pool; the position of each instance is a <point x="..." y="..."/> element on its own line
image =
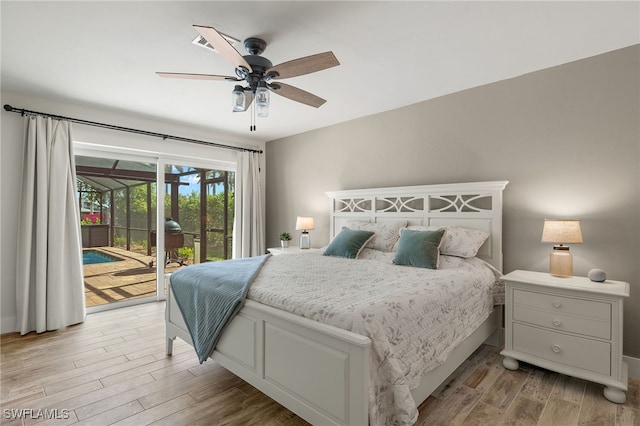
<point x="91" y="257"/>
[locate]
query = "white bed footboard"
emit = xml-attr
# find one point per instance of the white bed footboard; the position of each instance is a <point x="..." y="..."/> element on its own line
<point x="318" y="371"/>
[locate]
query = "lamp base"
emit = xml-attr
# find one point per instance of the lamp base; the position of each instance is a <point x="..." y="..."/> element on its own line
<point x="561" y="262"/>
<point x="305" y="240"/>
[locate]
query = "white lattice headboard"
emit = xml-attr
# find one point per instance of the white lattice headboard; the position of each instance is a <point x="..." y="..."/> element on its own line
<point x="476" y="205"/>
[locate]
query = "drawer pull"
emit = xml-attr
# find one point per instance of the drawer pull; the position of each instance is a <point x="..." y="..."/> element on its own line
<point x="555" y="348"/>
<point x="556" y="322"/>
<point x="556" y="304"/>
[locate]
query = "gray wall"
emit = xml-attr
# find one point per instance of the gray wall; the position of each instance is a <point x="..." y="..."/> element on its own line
<point x="567" y="138"/>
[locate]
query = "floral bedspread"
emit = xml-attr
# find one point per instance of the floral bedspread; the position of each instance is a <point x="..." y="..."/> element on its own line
<point x="413" y="316"/>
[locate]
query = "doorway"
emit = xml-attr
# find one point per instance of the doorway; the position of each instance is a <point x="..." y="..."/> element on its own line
<point x="219" y="213"/>
<point x="119" y="201"/>
<point x="201" y="201"/>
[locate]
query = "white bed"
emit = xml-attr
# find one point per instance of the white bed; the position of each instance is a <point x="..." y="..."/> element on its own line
<point x="273" y="349"/>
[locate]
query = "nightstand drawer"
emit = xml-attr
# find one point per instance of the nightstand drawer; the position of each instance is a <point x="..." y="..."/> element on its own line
<point x="573" y="351"/>
<point x="563" y="313"/>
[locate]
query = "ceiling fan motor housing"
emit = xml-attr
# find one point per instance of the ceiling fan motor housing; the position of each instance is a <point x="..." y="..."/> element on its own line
<point x="255" y="45"/>
<point x="259" y="66"/>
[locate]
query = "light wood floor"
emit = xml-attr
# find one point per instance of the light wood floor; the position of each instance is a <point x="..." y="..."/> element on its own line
<point x="112" y="370"/>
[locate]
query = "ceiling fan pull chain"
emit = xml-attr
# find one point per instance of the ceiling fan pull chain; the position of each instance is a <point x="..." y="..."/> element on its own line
<point x="252" y="126"/>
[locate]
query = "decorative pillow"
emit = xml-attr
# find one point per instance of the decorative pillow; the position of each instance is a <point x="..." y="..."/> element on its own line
<point x="348" y="243"/>
<point x="419" y="248"/>
<point x="458" y="241"/>
<point x="386" y="233"/>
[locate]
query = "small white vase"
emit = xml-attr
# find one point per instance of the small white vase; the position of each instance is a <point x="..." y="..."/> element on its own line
<point x="284" y="243"/>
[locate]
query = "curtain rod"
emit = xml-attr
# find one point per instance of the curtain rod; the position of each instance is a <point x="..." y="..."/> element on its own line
<point x="126" y="129"/>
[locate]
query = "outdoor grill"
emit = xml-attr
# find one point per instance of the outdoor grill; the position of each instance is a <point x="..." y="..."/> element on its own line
<point x="173" y="240"/>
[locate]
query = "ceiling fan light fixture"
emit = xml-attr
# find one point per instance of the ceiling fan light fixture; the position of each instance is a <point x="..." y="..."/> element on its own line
<point x="262" y="100"/>
<point x="262" y="111"/>
<point x="238" y="99"/>
<point x="257" y="72"/>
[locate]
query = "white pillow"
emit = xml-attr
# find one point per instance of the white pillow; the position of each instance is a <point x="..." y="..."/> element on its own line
<point x="458" y="241"/>
<point x="380" y="256"/>
<point x="385" y="236"/>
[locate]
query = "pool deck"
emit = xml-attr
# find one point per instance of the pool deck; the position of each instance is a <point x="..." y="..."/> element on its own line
<point x="129" y="278"/>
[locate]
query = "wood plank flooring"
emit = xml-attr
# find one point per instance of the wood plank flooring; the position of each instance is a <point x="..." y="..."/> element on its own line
<point x="112" y="370"/>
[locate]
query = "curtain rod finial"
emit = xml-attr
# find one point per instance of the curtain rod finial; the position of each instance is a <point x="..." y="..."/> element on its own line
<point x="8" y="107"/>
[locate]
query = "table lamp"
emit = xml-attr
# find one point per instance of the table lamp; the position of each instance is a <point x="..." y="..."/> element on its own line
<point x="305" y="224"/>
<point x="561" y="232"/>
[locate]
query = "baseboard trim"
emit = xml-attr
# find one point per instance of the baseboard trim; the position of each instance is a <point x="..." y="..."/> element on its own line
<point x="634" y="366"/>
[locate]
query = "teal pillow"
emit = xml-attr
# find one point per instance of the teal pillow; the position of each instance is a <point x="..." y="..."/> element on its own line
<point x="348" y="243"/>
<point x="419" y="248"/>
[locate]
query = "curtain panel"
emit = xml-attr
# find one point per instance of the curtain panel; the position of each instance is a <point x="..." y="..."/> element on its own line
<point x="49" y="280"/>
<point x="248" y="227"/>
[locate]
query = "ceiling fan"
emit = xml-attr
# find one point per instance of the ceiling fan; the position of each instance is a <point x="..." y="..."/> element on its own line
<point x="259" y="73"/>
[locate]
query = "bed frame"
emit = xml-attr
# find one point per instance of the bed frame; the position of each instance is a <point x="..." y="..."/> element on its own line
<point x="321" y="372"/>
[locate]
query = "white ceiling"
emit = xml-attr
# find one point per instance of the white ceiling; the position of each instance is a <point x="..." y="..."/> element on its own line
<point x="391" y="53"/>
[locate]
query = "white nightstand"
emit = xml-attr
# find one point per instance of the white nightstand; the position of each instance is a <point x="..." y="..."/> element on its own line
<point x="569" y="325"/>
<point x="289" y="250"/>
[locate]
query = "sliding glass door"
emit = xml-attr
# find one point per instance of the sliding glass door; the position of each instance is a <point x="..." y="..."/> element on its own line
<point x="201" y="202"/>
<point x="117" y="201"/>
<point x="219" y="187"/>
<point x="140" y="225"/>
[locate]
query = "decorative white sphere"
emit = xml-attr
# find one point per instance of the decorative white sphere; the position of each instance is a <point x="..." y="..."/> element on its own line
<point x="597" y="275"/>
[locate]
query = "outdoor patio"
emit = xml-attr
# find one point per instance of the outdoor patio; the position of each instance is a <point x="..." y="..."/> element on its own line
<point x="131" y="277"/>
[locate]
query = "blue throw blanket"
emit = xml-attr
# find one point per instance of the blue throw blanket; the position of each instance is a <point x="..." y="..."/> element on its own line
<point x="210" y="294"/>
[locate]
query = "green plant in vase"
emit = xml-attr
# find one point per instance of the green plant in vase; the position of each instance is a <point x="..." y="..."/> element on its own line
<point x="285" y="237"/>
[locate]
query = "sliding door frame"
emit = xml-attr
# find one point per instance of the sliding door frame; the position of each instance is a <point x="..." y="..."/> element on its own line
<point x="160" y="160"/>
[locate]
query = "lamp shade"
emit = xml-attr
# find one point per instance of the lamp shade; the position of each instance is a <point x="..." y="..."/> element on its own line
<point x="305" y="223"/>
<point x="561" y="231"/>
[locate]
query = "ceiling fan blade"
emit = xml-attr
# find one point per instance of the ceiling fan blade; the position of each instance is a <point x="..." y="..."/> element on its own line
<point x="296" y="94"/>
<point x="197" y="76"/>
<point x="306" y="65"/>
<point x="223" y="47"/>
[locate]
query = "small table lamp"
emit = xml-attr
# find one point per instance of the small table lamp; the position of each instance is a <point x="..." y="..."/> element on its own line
<point x="561" y="232"/>
<point x="306" y="224"/>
